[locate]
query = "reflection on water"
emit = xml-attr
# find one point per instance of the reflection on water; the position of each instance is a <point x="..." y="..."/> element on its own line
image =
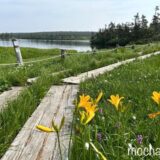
<point x="79" y="45"/>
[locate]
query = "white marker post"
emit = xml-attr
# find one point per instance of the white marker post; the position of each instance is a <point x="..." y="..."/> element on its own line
<point x="62" y="53"/>
<point x="17" y="51"/>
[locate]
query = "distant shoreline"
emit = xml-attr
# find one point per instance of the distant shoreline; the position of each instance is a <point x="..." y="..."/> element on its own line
<point x="49" y="35"/>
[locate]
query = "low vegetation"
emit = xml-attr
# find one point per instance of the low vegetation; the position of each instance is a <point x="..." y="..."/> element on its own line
<point x="7" y="54"/>
<point x="127" y="115"/>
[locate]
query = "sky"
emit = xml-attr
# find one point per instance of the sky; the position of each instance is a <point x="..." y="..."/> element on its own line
<point x="69" y="15"/>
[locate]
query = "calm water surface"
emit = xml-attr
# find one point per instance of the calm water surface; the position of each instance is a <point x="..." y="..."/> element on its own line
<point x="79" y="45"/>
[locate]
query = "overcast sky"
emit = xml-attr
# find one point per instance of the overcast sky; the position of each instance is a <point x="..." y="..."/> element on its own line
<point x="69" y="15"/>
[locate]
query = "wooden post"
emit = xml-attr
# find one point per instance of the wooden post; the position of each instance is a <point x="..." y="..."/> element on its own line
<point x="117" y="45"/>
<point x="62" y="53"/>
<point x="17" y="51"/>
<point x="94" y="50"/>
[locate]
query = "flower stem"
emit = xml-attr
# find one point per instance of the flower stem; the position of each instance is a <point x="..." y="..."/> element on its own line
<point x="59" y="144"/>
<point x="69" y="148"/>
<point x="89" y="134"/>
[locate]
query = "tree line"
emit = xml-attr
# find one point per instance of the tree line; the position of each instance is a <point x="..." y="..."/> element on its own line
<point x="138" y="32"/>
<point x="48" y="35"/>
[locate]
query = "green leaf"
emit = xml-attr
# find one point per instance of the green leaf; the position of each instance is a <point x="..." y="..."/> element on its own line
<point x="55" y="127"/>
<point x="62" y="123"/>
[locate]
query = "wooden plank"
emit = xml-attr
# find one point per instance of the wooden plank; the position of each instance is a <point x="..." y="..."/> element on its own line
<point x="32" y="80"/>
<point x="9" y="96"/>
<point x="32" y="144"/>
<point x="94" y="73"/>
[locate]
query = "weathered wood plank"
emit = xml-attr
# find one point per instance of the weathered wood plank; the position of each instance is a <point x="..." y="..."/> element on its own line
<point x="32" y="80"/>
<point x="94" y="73"/>
<point x="9" y="96"/>
<point x="31" y="144"/>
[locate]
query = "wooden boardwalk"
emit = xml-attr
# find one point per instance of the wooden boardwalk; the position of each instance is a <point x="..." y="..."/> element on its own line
<point x="32" y="80"/>
<point x="32" y="144"/>
<point x="94" y="73"/>
<point x="9" y="96"/>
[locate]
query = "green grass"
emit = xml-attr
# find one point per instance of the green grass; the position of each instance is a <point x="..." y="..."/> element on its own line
<point x="135" y="82"/>
<point x="7" y="54"/>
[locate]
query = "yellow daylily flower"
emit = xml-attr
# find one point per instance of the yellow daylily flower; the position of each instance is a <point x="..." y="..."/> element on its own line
<point x="98" y="152"/>
<point x="153" y="115"/>
<point x="88" y="114"/>
<point x="91" y="108"/>
<point x="86" y="117"/>
<point x="156" y="97"/>
<point x="44" y="128"/>
<point x="99" y="97"/>
<point x="84" y="101"/>
<point x="115" y="100"/>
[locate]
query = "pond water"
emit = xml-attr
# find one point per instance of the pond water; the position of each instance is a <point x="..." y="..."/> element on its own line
<point x="79" y="45"/>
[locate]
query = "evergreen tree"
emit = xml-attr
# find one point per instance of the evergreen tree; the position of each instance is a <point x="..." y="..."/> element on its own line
<point x="155" y="25"/>
<point x="137" y="31"/>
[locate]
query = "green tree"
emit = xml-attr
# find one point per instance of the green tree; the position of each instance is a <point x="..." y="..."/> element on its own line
<point x="155" y="25"/>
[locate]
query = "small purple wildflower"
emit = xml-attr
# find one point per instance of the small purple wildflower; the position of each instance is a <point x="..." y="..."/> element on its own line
<point x="139" y="139"/>
<point x="99" y="137"/>
<point x="101" y="111"/>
